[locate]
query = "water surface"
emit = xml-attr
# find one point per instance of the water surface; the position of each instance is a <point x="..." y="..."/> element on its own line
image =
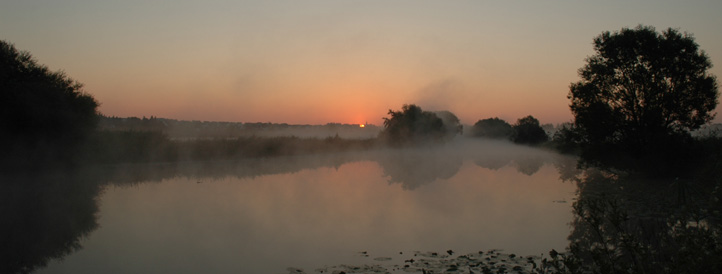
<point x="266" y="215"/>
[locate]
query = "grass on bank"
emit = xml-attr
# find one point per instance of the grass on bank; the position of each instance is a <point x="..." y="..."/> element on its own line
<point x="152" y="146"/>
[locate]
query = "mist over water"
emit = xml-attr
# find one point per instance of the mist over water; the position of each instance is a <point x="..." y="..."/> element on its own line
<point x="83" y="190"/>
<point x="263" y="215"/>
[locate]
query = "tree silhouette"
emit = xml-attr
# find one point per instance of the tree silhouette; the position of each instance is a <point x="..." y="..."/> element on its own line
<point x="642" y="87"/>
<point x="452" y="124"/>
<point x="412" y="125"/>
<point x="528" y="131"/>
<point x="40" y="110"/>
<point x="494" y="128"/>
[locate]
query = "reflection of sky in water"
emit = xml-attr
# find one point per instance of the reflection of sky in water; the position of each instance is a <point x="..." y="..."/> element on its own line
<point x="320" y="217"/>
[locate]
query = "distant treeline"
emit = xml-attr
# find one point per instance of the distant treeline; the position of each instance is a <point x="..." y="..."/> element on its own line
<point x="183" y="129"/>
<point x="47" y="117"/>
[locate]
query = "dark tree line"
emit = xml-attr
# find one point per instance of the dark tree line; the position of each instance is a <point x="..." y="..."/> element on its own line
<point x="526" y="131"/>
<point x="43" y="113"/>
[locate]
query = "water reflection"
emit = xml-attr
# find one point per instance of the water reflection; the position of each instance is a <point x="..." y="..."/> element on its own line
<point x="246" y="168"/>
<point x="47" y="213"/>
<point x="45" y="216"/>
<point x="492" y="163"/>
<point x="414" y="168"/>
<point x="246" y="216"/>
<point x="630" y="223"/>
<point x="526" y="160"/>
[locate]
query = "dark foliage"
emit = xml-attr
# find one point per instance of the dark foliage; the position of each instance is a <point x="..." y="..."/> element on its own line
<point x="528" y="131"/>
<point x="494" y="128"/>
<point x="130" y="146"/>
<point x="412" y="125"/>
<point x="43" y="114"/>
<point x="566" y="139"/>
<point x="642" y="90"/>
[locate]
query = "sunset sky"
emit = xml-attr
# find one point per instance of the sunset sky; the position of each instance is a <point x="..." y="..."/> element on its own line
<point x="315" y="62"/>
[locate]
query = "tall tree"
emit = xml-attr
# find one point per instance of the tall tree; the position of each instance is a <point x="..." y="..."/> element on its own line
<point x="41" y="111"/>
<point x="642" y="86"/>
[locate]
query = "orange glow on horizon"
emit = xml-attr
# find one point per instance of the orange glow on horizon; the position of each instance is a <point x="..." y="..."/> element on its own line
<point x="285" y="63"/>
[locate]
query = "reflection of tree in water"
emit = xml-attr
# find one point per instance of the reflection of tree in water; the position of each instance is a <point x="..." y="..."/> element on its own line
<point x="529" y="165"/>
<point x="416" y="167"/>
<point x="567" y="167"/>
<point x="245" y="168"/>
<point x="46" y="213"/>
<point x="526" y="164"/>
<point x="634" y="225"/>
<point x="45" y="216"/>
<point x="492" y="163"/>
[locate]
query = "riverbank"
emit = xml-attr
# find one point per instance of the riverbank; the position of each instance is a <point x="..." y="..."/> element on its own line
<point x="490" y="261"/>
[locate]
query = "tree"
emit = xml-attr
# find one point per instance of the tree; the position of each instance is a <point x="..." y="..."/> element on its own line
<point x="566" y="139"/>
<point x="452" y="124"/>
<point x="494" y="128"/>
<point x="641" y="87"/>
<point x="412" y="125"/>
<point x="528" y="131"/>
<point x="40" y="110"/>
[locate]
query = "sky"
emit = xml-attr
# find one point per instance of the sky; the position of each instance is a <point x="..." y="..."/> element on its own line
<point x="318" y="62"/>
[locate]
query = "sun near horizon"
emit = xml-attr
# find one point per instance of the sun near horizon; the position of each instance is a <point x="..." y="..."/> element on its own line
<point x="318" y="62"/>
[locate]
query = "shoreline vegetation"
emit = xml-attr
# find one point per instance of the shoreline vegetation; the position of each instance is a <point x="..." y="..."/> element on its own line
<point x="149" y="146"/>
<point x="138" y="142"/>
<point x="648" y="196"/>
